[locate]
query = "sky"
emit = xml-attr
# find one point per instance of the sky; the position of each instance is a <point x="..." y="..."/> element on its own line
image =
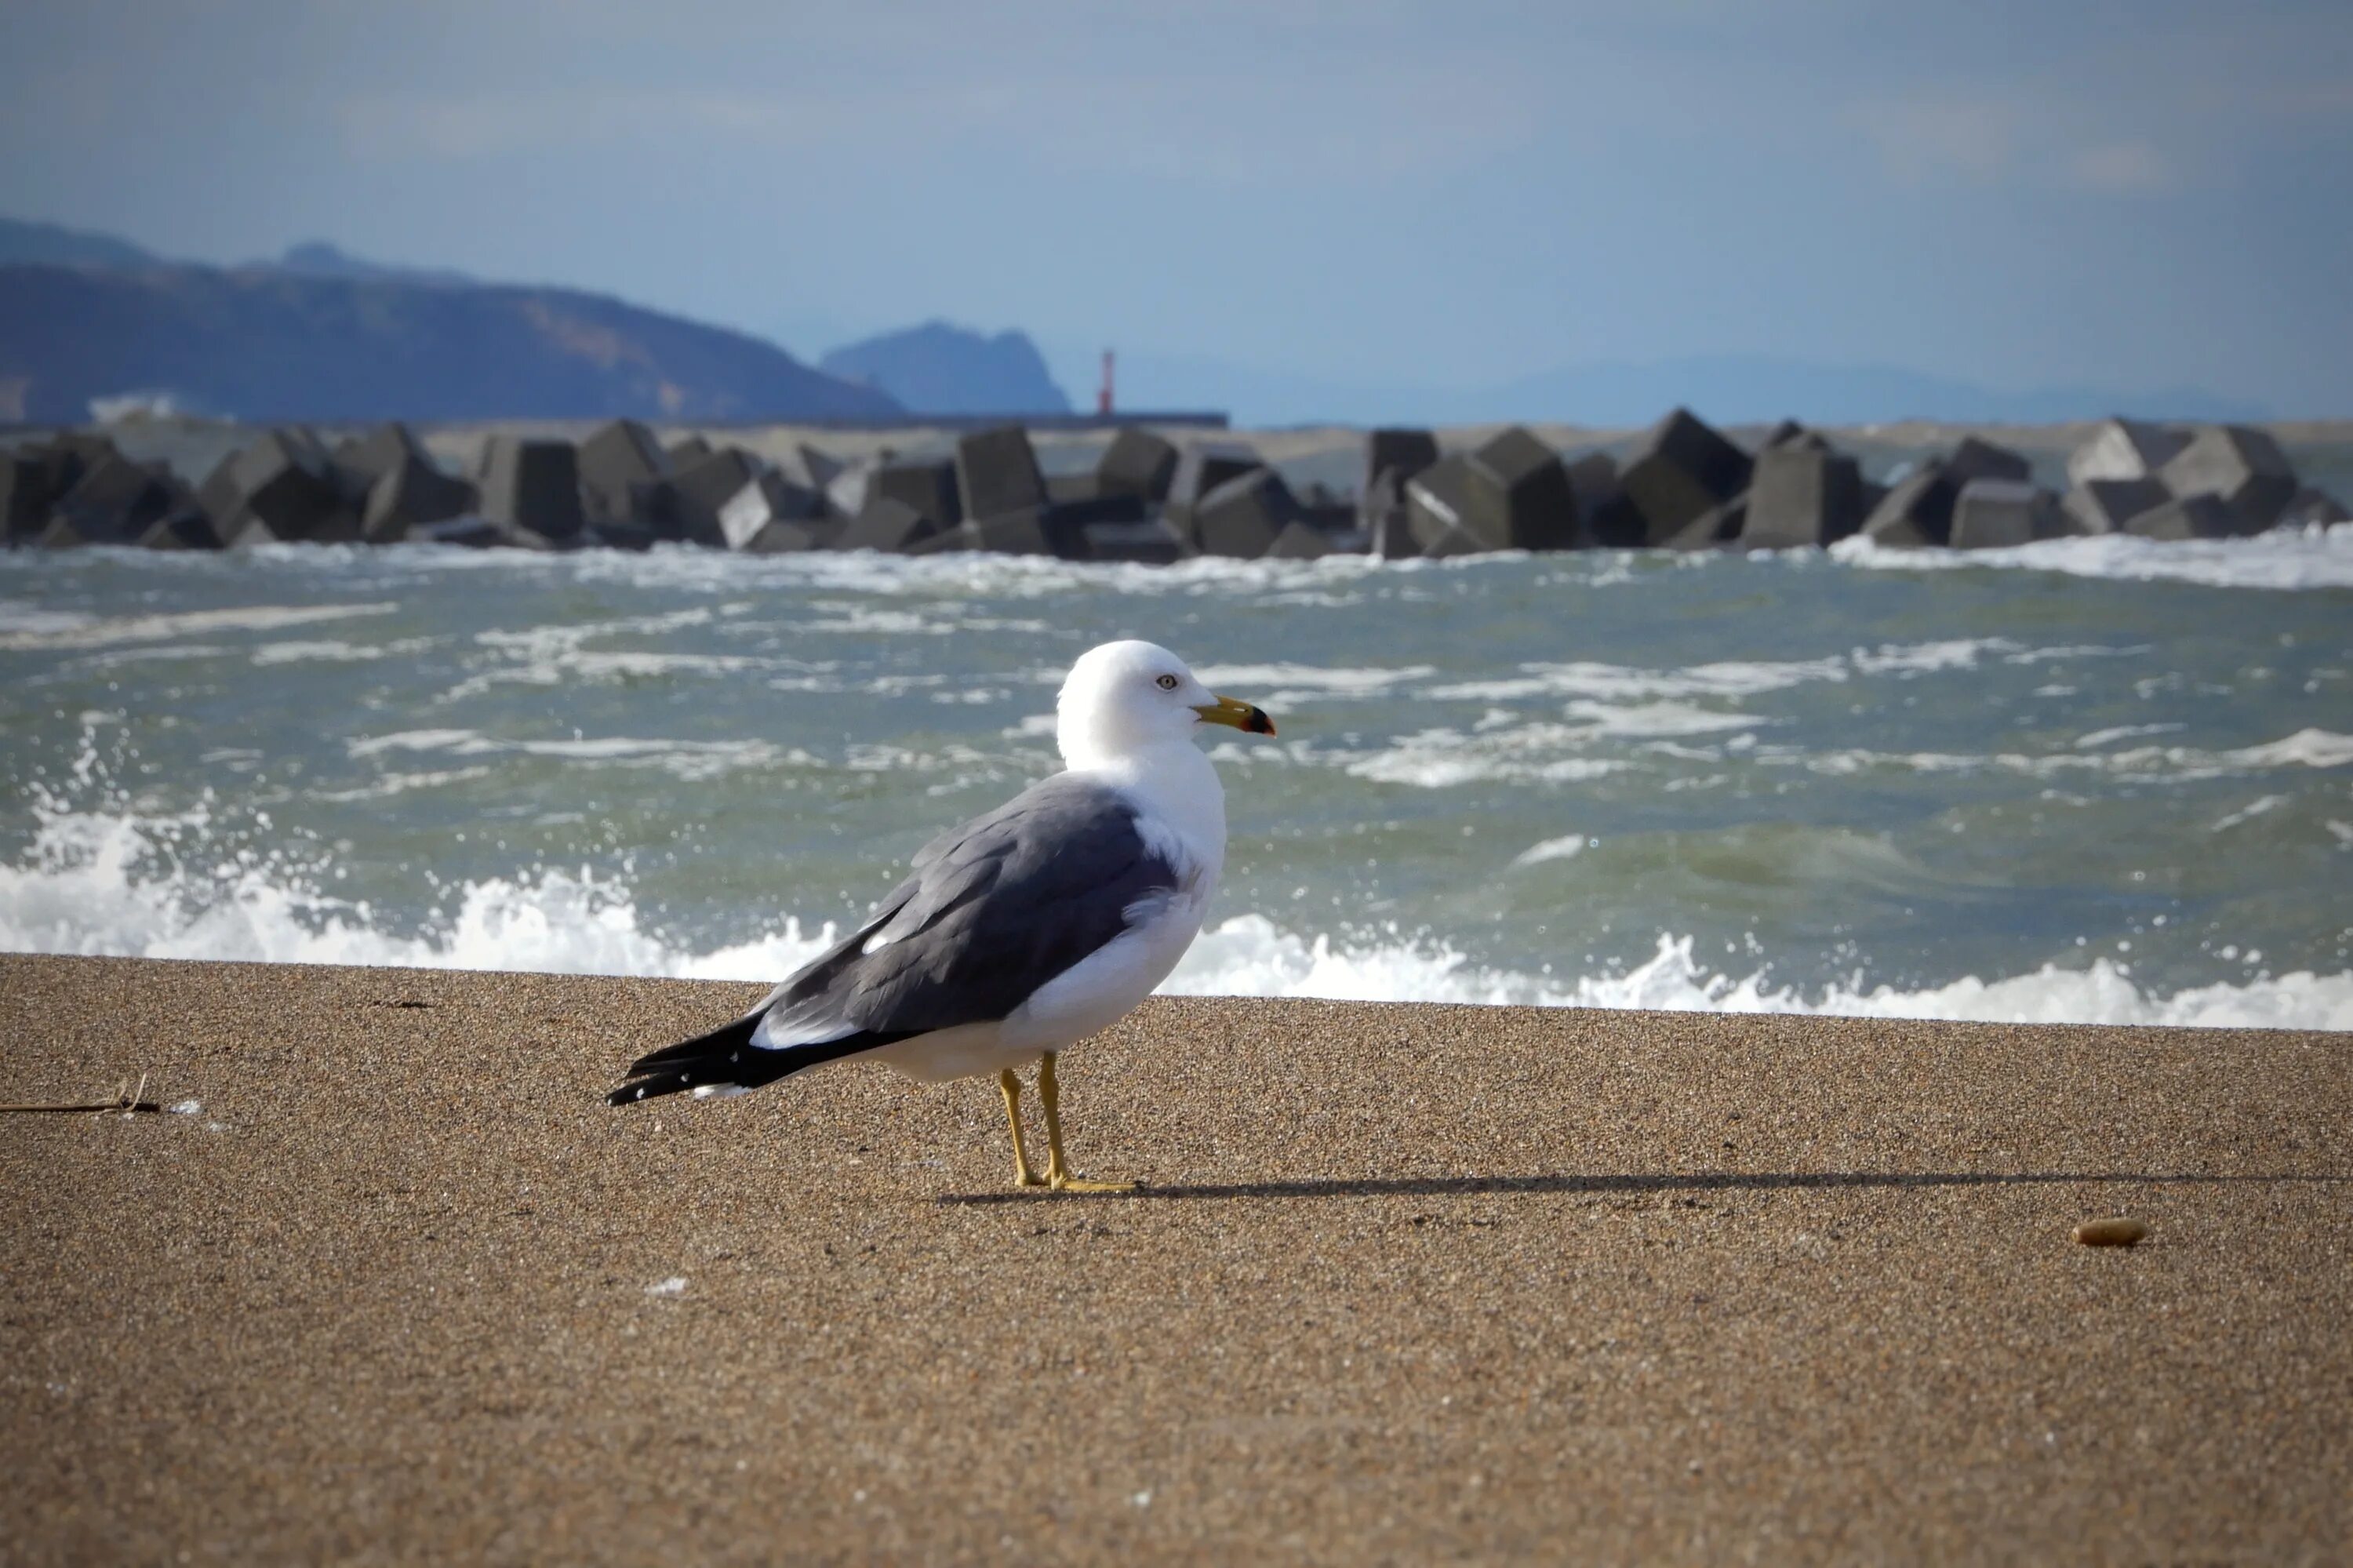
<point x="2131" y="195"/>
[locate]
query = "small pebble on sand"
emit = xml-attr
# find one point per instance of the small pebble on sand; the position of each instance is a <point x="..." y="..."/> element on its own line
<point x="2110" y="1233"/>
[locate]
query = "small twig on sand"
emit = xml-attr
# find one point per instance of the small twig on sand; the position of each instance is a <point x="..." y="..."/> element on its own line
<point x="126" y="1100"/>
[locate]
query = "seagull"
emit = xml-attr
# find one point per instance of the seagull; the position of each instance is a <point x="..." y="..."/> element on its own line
<point x="1020" y="932"/>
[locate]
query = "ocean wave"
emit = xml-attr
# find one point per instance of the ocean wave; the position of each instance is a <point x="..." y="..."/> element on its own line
<point x="114" y="884"/>
<point x="59" y="631"/>
<point x="2286" y="559"/>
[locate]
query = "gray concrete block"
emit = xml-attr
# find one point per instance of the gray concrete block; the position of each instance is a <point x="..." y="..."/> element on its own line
<point x="818" y="470"/>
<point x="889" y="526"/>
<point x="1978" y="459"/>
<point x="1391" y="537"/>
<point x="2201" y="515"/>
<point x="1074" y="489"/>
<point x="360" y="460"/>
<point x="1521" y="495"/>
<point x="1916" y="513"/>
<point x="1298" y="542"/>
<point x="1149" y="542"/>
<point x="188" y="529"/>
<point x="1382" y="497"/>
<point x="1681" y="468"/>
<point x="929" y="487"/>
<point x="621" y="468"/>
<point x="2125" y="450"/>
<point x="482" y="534"/>
<point x="1137" y="464"/>
<point x="1083" y="514"/>
<point x="1329" y="516"/>
<point x="1790" y="433"/>
<point x="241" y="530"/>
<point x="619" y="534"/>
<point x="284" y="481"/>
<point x="1403" y="452"/>
<point x="784" y="536"/>
<point x="1801" y="495"/>
<point x="1717" y="528"/>
<point x="2311" y="508"/>
<point x="1453" y="542"/>
<point x="1593" y="480"/>
<point x="217" y="495"/>
<point x="1242" y="517"/>
<point x="845" y="493"/>
<point x="997" y="472"/>
<point x="1439" y="501"/>
<point x="1996" y="514"/>
<point x="1023" y="533"/>
<point x="115" y="500"/>
<point x="63" y="533"/>
<point x="2105" y="505"/>
<point x="25" y="497"/>
<point x="770" y="498"/>
<point x="2244" y="466"/>
<point x="701" y="490"/>
<point x="68" y="455"/>
<point x="532" y="484"/>
<point x="1201" y="467"/>
<point x="686" y="451"/>
<point x="412" y="491"/>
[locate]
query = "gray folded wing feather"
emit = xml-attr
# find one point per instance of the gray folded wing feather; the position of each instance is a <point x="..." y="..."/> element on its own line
<point x="995" y="909"/>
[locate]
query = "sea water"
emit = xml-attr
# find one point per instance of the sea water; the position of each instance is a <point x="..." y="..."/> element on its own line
<point x="2096" y="780"/>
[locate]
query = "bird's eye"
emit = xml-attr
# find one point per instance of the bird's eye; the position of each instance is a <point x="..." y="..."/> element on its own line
<point x="1167" y="682"/>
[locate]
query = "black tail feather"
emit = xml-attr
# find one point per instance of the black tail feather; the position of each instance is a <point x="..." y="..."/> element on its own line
<point x="726" y="1058"/>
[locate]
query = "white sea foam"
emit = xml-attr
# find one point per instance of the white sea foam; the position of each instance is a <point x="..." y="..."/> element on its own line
<point x="1439" y="759"/>
<point x="690" y="760"/>
<point x="2283" y="559"/>
<point x="2135" y="765"/>
<point x="1641" y="719"/>
<point x="1619" y="683"/>
<point x="1566" y="848"/>
<point x="1250" y="955"/>
<point x="106" y="633"/>
<point x="92" y="885"/>
<point x="1746" y="677"/>
<point x="1281" y="687"/>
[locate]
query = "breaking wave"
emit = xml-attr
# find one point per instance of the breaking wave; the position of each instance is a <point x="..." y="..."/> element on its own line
<point x="117" y="884"/>
<point x="2282" y="559"/>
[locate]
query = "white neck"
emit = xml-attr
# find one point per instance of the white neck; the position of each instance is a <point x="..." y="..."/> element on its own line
<point x="1176" y="783"/>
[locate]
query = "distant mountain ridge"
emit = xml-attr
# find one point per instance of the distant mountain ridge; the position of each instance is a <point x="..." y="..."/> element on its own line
<point x="318" y="259"/>
<point x="50" y="245"/>
<point x="321" y="334"/>
<point x="941" y="368"/>
<point x="268" y="344"/>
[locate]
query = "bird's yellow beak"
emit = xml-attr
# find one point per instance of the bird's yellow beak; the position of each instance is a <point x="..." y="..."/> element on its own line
<point x="1238" y="714"/>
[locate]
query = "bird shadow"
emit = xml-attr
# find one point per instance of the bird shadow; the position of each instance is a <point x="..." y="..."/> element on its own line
<point x="1661" y="1182"/>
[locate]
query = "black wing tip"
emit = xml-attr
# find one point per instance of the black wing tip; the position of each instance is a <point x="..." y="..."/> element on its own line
<point x="638" y="1089"/>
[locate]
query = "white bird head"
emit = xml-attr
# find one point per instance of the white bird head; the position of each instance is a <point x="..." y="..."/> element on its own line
<point x="1122" y="698"/>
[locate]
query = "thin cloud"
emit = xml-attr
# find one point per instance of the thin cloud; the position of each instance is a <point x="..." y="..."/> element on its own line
<point x="1924" y="141"/>
<point x="2121" y="168"/>
<point x="486" y="125"/>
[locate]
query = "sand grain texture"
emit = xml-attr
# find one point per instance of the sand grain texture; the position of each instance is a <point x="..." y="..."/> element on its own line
<point x="1415" y="1284"/>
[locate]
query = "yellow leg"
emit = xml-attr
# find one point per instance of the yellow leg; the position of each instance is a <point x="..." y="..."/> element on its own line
<point x="1057" y="1168"/>
<point x="1011" y="1087"/>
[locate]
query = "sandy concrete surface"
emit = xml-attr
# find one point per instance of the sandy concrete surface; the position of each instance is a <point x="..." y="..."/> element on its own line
<point x="1411" y="1284"/>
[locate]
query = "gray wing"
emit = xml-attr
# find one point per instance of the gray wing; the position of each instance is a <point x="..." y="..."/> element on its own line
<point x="995" y="909"/>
